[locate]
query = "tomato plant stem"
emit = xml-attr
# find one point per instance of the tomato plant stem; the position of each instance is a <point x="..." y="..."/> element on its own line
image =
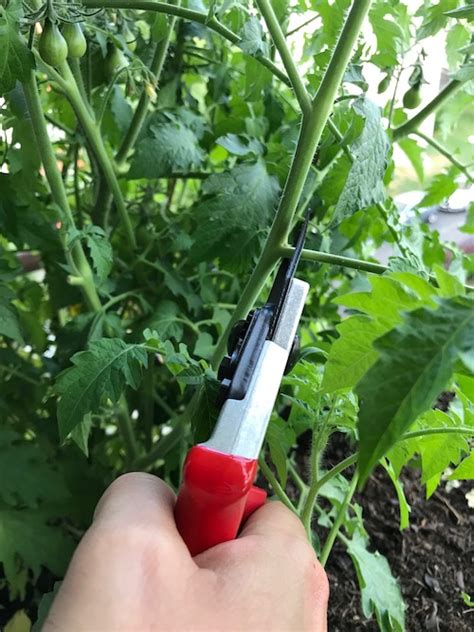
<point x="273" y="481"/>
<point x="156" y="67"/>
<point x="90" y="129"/>
<point x="323" y="558"/>
<point x="310" y="133"/>
<point x="162" y="447"/>
<point x="76" y="257"/>
<point x="444" y="152"/>
<point x="187" y="14"/>
<point x="281" y="45"/>
<point x="412" y="124"/>
<point x="337" y="260"/>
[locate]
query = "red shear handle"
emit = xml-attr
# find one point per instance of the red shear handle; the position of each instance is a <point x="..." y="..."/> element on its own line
<point x="216" y="495"/>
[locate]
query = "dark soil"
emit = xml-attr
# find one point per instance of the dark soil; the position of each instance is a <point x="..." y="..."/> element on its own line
<point x="433" y="558"/>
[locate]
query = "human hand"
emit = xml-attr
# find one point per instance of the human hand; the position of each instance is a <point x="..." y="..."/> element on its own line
<point x="133" y="572"/>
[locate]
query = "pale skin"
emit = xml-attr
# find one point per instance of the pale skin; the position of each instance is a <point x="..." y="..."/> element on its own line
<point x="132" y="572"/>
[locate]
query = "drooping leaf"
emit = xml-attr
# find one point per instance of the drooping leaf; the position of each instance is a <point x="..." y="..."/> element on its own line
<point x="364" y="184"/>
<point x="434" y="17"/>
<point x="100" y="373"/>
<point x="416" y="360"/>
<point x="16" y="59"/>
<point x="234" y="215"/>
<point x="381" y="593"/>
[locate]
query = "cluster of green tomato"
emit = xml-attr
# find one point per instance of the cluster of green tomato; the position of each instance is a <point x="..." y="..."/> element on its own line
<point x="56" y="45"/>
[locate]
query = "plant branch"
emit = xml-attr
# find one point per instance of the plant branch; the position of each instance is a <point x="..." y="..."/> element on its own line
<point x="338" y="521"/>
<point x="187" y="14"/>
<point x="412" y="124"/>
<point x="444" y="152"/>
<point x="467" y="430"/>
<point x="124" y="423"/>
<point x="76" y="258"/>
<point x="310" y="134"/>
<point x="156" y="68"/>
<point x="337" y="260"/>
<point x="273" y="481"/>
<point x="90" y="128"/>
<point x="281" y="45"/>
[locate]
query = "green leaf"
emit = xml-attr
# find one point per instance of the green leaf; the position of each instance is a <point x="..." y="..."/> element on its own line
<point x="101" y="251"/>
<point x="364" y="185"/>
<point x="416" y="360"/>
<point x="466" y="12"/>
<point x="170" y="147"/>
<point x="449" y="285"/>
<point x="465" y="73"/>
<point x="465" y="470"/>
<point x="240" y="145"/>
<point x="252" y="38"/>
<point x="352" y="354"/>
<point x="280" y="439"/>
<point x="441" y="187"/>
<point x="9" y="322"/>
<point x="434" y="17"/>
<point x="380" y="590"/>
<point x="98" y="374"/>
<point x="26" y="476"/>
<point x="234" y="215"/>
<point x="166" y="322"/>
<point x="16" y="59"/>
<point x="26" y="534"/>
<point x="414" y="154"/>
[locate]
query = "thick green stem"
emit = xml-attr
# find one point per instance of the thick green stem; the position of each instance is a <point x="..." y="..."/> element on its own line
<point x="187" y="14"/>
<point x="90" y="129"/>
<point x="338" y="521"/>
<point x="336" y="260"/>
<point x="279" y="40"/>
<point x="446" y="153"/>
<point x="430" y="108"/>
<point x="76" y="259"/>
<point x="311" y="129"/>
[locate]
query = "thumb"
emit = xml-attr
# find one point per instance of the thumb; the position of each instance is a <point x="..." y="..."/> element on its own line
<point x="276" y="519"/>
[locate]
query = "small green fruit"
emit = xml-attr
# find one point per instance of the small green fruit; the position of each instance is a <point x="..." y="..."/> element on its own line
<point x="52" y="46"/>
<point x="115" y="60"/>
<point x="76" y="42"/>
<point x="412" y="98"/>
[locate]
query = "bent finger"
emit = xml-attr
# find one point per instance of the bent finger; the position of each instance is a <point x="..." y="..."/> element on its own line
<point x="273" y="518"/>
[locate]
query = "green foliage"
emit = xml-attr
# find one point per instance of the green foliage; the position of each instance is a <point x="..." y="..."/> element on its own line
<point x="99" y="374"/>
<point x="380" y="591"/>
<point x="194" y="151"/>
<point x="17" y="60"/>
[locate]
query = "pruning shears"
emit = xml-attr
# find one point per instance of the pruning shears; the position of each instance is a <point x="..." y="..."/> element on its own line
<point x="217" y="494"/>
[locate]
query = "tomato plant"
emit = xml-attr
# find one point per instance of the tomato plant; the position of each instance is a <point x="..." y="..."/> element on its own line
<point x="154" y="160"/>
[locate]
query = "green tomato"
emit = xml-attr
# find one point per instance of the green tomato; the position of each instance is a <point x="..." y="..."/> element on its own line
<point x="114" y="61"/>
<point x="412" y="98"/>
<point x="129" y="38"/>
<point x="76" y="42"/>
<point x="52" y="46"/>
